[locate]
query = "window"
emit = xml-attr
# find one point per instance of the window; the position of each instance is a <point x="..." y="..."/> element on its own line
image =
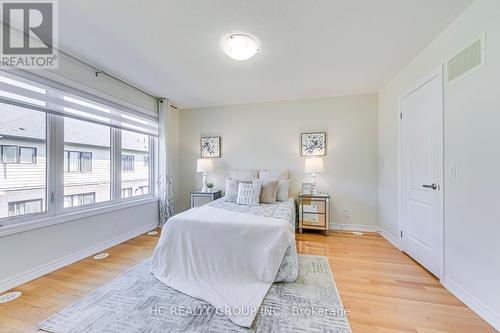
<point x="77" y="161"/>
<point x="95" y="133"/>
<point x="22" y="138"/>
<point x="87" y="162"/>
<point x="27" y="155"/>
<point x="15" y="154"/>
<point x="79" y="199"/>
<point x="126" y="192"/>
<point x="128" y="162"/>
<point x="9" y="154"/>
<point x="25" y="207"/>
<point x="143" y="190"/>
<point x="135" y="146"/>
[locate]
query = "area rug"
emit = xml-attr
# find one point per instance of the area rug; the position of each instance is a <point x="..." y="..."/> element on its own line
<point x="137" y="302"/>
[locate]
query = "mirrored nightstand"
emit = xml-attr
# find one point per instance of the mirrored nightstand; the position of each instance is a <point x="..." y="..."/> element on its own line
<point x="314" y="212"/>
<point x="199" y="198"/>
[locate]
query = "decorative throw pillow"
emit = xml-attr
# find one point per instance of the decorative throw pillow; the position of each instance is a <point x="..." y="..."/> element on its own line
<point x="268" y="191"/>
<point x="283" y="190"/>
<point x="249" y="193"/>
<point x="231" y="190"/>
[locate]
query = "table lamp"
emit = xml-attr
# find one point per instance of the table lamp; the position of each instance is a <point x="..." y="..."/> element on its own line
<point x="204" y="165"/>
<point x="314" y="166"/>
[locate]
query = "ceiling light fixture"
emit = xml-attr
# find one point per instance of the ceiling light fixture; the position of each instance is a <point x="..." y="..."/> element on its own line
<point x="240" y="46"/>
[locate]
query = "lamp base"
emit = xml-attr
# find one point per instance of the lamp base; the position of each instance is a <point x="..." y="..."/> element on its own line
<point x="204" y="183"/>
<point x="313" y="184"/>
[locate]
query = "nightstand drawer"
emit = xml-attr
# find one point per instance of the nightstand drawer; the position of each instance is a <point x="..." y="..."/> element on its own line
<point x="313" y="206"/>
<point x="311" y="219"/>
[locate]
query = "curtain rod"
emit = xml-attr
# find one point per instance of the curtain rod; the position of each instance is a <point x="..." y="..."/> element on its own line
<point x="97" y="70"/>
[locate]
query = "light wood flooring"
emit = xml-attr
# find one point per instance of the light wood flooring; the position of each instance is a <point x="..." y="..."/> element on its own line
<point x="384" y="289"/>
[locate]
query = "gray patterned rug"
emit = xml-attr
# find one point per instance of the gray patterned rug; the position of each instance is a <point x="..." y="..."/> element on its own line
<point x="137" y="302"/>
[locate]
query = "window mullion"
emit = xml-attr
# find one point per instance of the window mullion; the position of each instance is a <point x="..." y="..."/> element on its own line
<point x="116" y="160"/>
<point x="57" y="164"/>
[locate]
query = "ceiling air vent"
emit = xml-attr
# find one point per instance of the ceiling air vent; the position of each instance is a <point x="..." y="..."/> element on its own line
<point x="467" y="60"/>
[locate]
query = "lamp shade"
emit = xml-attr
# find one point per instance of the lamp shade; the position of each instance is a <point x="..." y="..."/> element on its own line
<point x="204" y="165"/>
<point x="314" y="165"/>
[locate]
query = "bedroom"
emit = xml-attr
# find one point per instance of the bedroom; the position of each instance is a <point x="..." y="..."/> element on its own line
<point x="347" y="210"/>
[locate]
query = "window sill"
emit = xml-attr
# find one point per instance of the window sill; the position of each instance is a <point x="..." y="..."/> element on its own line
<point x="71" y="216"/>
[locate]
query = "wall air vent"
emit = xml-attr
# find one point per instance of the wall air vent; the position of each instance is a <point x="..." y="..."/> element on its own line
<point x="467" y="60"/>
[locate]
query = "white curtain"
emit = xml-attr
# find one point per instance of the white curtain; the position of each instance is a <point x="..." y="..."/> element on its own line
<point x="165" y="179"/>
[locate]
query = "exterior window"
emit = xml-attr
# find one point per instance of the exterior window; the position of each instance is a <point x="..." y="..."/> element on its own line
<point x="87" y="162"/>
<point x="135" y="147"/>
<point x="22" y="140"/>
<point x="144" y="190"/>
<point x="9" y="154"/>
<point x="126" y="192"/>
<point x="77" y="161"/>
<point x="25" y="207"/>
<point x="27" y="155"/>
<point x="128" y="162"/>
<point x="80" y="199"/>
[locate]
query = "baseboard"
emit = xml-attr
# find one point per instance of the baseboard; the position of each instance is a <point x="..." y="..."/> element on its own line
<point x="354" y="227"/>
<point x="473" y="303"/>
<point x="388" y="237"/>
<point x="42" y="270"/>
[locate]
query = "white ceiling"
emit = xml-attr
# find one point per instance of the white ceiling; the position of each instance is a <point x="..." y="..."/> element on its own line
<point x="309" y="48"/>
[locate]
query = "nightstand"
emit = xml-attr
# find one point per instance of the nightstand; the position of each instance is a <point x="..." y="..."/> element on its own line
<point x="199" y="198"/>
<point x="314" y="212"/>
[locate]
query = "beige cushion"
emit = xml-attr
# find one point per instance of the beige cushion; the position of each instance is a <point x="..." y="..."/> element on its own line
<point x="283" y="190"/>
<point x="273" y="174"/>
<point x="268" y="191"/>
<point x="244" y="174"/>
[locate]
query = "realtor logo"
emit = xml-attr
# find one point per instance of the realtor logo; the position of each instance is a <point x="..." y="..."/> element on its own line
<point x="29" y="34"/>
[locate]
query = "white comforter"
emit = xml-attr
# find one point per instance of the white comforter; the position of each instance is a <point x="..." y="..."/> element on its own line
<point x="227" y="259"/>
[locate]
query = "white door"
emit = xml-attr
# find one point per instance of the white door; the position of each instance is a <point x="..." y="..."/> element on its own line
<point x="422" y="174"/>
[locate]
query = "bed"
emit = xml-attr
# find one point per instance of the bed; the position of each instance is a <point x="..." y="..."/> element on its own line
<point x="280" y="210"/>
<point x="228" y="255"/>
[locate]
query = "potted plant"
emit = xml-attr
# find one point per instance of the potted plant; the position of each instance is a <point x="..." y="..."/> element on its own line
<point x="210" y="186"/>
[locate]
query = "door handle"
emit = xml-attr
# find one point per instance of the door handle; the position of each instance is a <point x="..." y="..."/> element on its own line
<point x="433" y="186"/>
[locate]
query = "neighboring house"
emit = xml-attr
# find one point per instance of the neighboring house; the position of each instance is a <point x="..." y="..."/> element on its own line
<point x="87" y="163"/>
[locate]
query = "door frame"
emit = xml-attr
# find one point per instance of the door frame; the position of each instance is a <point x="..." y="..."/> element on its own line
<point x="439" y="73"/>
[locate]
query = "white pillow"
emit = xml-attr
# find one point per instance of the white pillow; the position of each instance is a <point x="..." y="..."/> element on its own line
<point x="273" y="174"/>
<point x="231" y="193"/>
<point x="249" y="193"/>
<point x="246" y="175"/>
<point x="283" y="190"/>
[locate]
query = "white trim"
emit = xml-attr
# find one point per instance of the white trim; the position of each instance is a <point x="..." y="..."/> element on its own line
<point x="388" y="237"/>
<point x="68" y="217"/>
<point x="42" y="270"/>
<point x="473" y="303"/>
<point x="354" y="227"/>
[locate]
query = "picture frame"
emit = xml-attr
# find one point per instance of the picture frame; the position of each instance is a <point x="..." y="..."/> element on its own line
<point x="313" y="144"/>
<point x="210" y="147"/>
<point x="306" y="188"/>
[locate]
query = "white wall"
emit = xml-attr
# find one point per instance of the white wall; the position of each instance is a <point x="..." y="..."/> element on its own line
<point x="472" y="134"/>
<point x="267" y="135"/>
<point x="30" y="254"/>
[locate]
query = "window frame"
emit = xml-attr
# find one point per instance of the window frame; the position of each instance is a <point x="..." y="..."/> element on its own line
<point x="35" y="157"/>
<point x="16" y="148"/>
<point x="67" y="154"/>
<point x="53" y="211"/>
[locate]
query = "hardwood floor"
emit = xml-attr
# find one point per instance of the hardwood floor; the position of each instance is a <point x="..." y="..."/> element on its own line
<point x="385" y="290"/>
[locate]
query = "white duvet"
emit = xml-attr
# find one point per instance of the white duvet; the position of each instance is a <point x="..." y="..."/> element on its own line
<point x="227" y="259"/>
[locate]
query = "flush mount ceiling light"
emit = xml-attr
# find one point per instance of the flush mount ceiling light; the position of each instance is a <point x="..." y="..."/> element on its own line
<point x="240" y="46"/>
